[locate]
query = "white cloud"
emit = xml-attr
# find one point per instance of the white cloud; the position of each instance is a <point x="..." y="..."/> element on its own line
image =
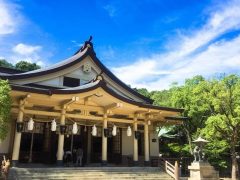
<point x="10" y="18"/>
<point x="196" y="53"/>
<point x="15" y="33"/>
<point x="24" y="49"/>
<point x="221" y="21"/>
<point x="26" y="52"/>
<point x="111" y="10"/>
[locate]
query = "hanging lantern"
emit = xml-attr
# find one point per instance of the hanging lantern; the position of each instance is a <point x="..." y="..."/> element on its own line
<point x="106" y="132"/>
<point x="114" y="131"/>
<point x="85" y="129"/>
<point x="30" y="124"/>
<point x="53" y="125"/>
<point x="149" y="122"/>
<point x="63" y="129"/>
<point x="129" y="131"/>
<point x="19" y="127"/>
<point x="94" y="130"/>
<point x="75" y="128"/>
<point x="137" y="135"/>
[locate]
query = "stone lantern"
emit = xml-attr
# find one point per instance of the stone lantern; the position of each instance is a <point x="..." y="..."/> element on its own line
<point x="198" y="150"/>
<point x="200" y="169"/>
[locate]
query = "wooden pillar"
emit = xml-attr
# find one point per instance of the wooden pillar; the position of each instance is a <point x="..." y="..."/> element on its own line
<point x="146" y="144"/>
<point x="18" y="135"/>
<point x="135" y="143"/>
<point x="60" y="151"/>
<point x="104" y="141"/>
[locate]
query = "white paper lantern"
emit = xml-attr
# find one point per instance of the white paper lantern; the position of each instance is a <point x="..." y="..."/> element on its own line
<point x="30" y="124"/>
<point x="129" y="131"/>
<point x="53" y="125"/>
<point x="94" y="130"/>
<point x="75" y="128"/>
<point x="149" y="122"/>
<point x="114" y="131"/>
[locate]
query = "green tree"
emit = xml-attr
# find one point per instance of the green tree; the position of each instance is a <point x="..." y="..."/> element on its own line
<point x="191" y="97"/>
<point x="223" y="125"/>
<point x="144" y="92"/>
<point x="162" y="98"/>
<point x="5" y="107"/>
<point x="4" y="63"/>
<point x="26" y="66"/>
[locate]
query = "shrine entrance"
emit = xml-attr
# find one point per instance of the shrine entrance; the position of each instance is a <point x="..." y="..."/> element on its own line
<point x="114" y="149"/>
<point x="39" y="145"/>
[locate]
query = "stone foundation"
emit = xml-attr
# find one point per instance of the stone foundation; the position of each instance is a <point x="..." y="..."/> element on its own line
<point x="202" y="171"/>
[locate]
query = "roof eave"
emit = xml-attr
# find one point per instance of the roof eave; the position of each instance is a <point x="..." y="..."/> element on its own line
<point x="101" y="84"/>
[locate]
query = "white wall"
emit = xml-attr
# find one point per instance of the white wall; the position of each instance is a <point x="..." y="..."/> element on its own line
<point x="127" y="143"/>
<point x="78" y="74"/>
<point x="154" y="146"/>
<point x="56" y="82"/>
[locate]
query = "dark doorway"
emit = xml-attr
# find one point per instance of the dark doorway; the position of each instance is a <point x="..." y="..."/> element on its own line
<point x="141" y="144"/>
<point x="44" y="144"/>
<point x="114" y="153"/>
<point x="74" y="141"/>
<point x="96" y="150"/>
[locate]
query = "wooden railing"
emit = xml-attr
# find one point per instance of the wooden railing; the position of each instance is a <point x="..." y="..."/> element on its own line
<point x="172" y="170"/>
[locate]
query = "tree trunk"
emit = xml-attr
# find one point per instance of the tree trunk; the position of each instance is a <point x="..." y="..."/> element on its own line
<point x="235" y="173"/>
<point x="189" y="140"/>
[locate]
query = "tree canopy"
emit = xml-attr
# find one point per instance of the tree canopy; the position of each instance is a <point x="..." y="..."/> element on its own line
<point x="4" y="63"/>
<point x="223" y="124"/>
<point x="5" y="107"/>
<point x="21" y="65"/>
<point x="213" y="110"/>
<point x="26" y="66"/>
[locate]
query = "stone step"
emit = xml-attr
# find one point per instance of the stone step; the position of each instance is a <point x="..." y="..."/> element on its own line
<point x="84" y="175"/>
<point x="96" y="178"/>
<point x="76" y="177"/>
<point x="104" y="178"/>
<point x="94" y="168"/>
<point x="88" y="173"/>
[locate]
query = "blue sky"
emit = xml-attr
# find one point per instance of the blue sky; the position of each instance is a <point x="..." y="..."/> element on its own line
<point x="147" y="43"/>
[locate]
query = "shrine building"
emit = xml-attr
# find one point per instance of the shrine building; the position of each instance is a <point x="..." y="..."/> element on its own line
<point x="80" y="103"/>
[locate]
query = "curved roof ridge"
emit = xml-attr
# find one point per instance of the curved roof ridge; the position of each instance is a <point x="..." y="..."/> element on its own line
<point x="57" y="65"/>
<point x="84" y="51"/>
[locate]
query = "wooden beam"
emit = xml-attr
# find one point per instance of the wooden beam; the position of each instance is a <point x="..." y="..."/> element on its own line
<point x="68" y="115"/>
<point x="108" y="109"/>
<point x="23" y="100"/>
<point x="69" y="102"/>
<point x="87" y="100"/>
<point x="36" y="112"/>
<point x="113" y="106"/>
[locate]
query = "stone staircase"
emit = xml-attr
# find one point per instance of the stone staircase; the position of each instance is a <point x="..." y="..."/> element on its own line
<point x="96" y="173"/>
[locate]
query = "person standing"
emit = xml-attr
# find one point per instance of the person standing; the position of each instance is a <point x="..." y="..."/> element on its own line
<point x="79" y="157"/>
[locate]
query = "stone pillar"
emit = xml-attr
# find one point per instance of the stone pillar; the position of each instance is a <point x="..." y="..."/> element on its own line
<point x="146" y="144"/>
<point x="17" y="138"/>
<point x="61" y="140"/>
<point x="104" y="142"/>
<point x="135" y="143"/>
<point x="202" y="170"/>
